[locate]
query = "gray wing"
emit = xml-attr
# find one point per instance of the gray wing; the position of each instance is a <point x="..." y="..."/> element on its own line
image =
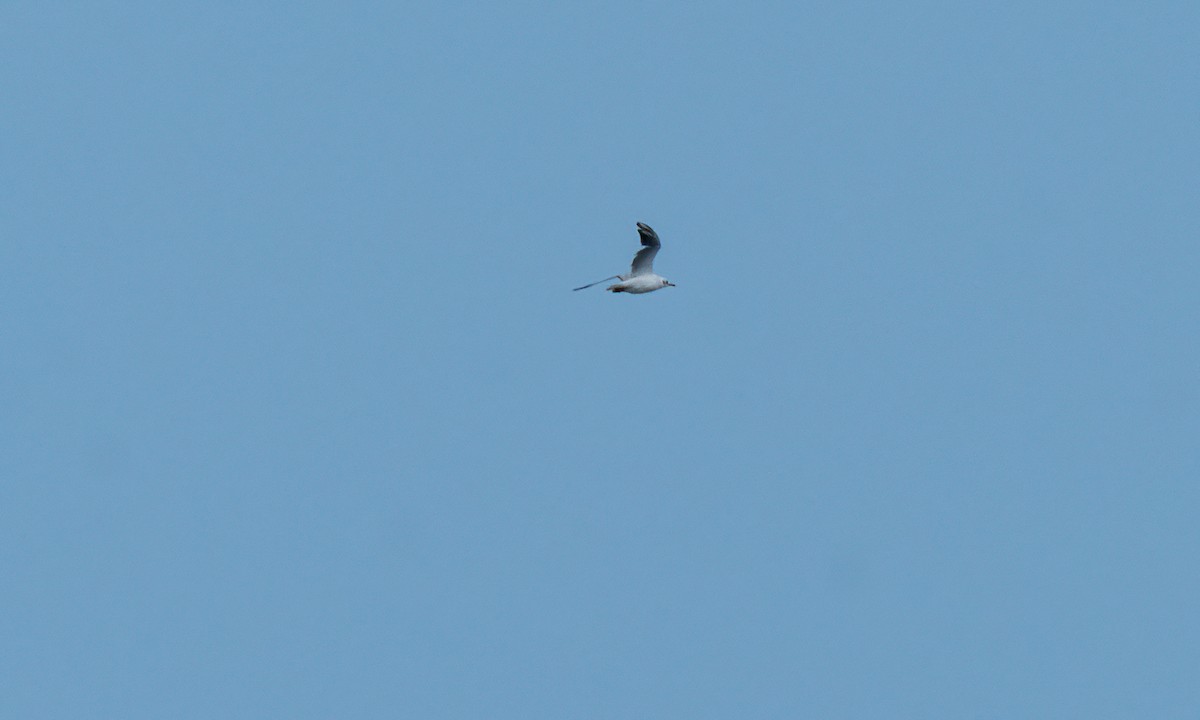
<point x="643" y="262"/>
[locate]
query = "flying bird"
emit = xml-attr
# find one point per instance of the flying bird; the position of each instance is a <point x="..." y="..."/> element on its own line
<point x="641" y="277"/>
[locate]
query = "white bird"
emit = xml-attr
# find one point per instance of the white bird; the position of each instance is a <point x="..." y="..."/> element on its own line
<point x="641" y="277"/>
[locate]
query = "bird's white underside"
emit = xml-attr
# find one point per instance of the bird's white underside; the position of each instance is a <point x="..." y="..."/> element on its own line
<point x="638" y="284"/>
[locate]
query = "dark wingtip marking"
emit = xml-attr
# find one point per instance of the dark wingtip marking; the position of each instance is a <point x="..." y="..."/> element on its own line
<point x="649" y="237"/>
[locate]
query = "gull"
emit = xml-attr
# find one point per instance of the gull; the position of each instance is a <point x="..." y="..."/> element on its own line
<point x="641" y="277"/>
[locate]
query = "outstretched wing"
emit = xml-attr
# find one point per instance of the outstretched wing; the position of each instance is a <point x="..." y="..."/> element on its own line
<point x="585" y="287"/>
<point x="643" y="262"/>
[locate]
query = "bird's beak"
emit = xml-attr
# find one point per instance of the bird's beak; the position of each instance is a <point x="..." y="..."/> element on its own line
<point x="671" y="284"/>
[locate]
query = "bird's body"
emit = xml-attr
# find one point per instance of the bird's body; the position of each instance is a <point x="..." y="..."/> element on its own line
<point x="639" y="284"/>
<point x="641" y="277"/>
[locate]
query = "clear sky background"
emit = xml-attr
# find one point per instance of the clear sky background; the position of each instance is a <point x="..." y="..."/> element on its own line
<point x="301" y="418"/>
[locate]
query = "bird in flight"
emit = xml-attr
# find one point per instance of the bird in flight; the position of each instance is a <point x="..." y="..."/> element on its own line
<point x="641" y="277"/>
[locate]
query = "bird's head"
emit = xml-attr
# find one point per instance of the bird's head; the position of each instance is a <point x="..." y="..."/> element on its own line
<point x="667" y="283"/>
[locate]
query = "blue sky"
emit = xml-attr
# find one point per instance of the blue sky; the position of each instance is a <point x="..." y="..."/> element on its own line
<point x="303" y="420"/>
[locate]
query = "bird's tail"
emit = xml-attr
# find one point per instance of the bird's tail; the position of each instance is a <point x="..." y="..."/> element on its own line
<point x="614" y="277"/>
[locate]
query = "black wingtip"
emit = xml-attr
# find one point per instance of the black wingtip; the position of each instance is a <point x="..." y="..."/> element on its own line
<point x="649" y="237"/>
